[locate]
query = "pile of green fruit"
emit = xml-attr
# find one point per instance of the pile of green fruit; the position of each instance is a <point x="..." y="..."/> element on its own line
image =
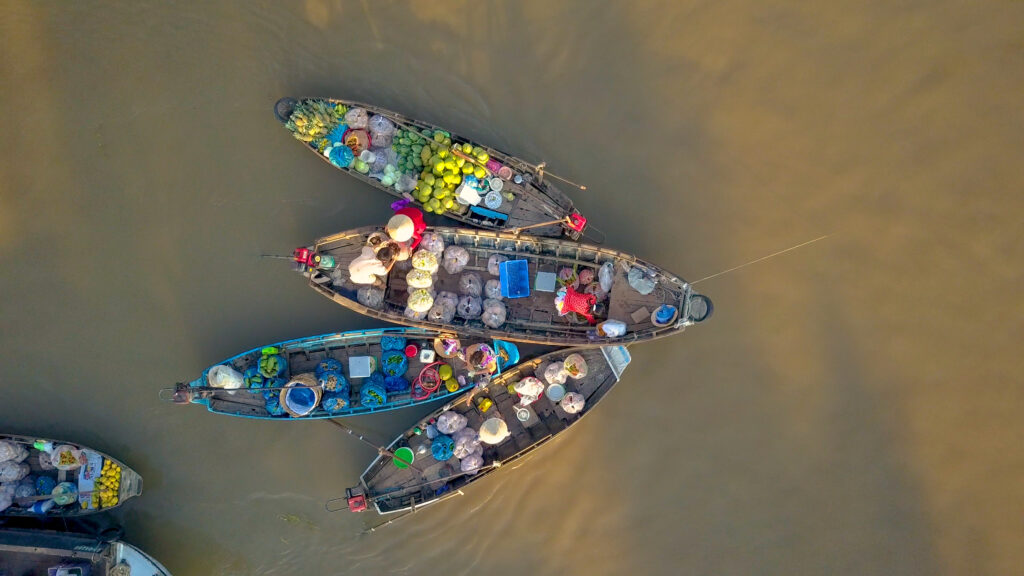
<point x="441" y="166"/>
<point x="314" y="119"/>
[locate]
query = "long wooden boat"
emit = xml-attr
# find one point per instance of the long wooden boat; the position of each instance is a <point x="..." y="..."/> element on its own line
<point x="523" y="199"/>
<point x="324" y="364"/>
<point x="392" y="487"/>
<point x="101" y="481"/>
<point x="534" y="318"/>
<point x="35" y="551"/>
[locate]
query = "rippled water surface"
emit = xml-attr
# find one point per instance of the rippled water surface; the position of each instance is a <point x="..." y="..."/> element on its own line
<point x="852" y="408"/>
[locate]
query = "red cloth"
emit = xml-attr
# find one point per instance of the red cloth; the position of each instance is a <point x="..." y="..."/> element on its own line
<point x="579" y="303"/>
<point x="418" y="225"/>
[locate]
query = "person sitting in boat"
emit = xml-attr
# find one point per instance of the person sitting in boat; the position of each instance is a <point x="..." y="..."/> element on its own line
<point x="481" y="359"/>
<point x="406" y="227"/>
<point x="372" y="266"/>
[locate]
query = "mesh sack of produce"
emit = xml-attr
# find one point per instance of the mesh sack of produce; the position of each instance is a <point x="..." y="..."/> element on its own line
<point x="411" y="314"/>
<point x="328" y="365"/>
<point x="432" y="242"/>
<point x="393" y="363"/>
<point x="380" y="126"/>
<point x="273" y="406"/>
<point x="446" y="297"/>
<point x="425" y="260"/>
<point x="392" y="343"/>
<point x="469" y="307"/>
<point x="492" y="289"/>
<point x="455" y="259"/>
<point x="396" y="384"/>
<point x="442" y="447"/>
<point x="373" y="394"/>
<point x="332" y="380"/>
<point x="450" y="422"/>
<point x="494" y="313"/>
<point x="12" y="451"/>
<point x="253" y="378"/>
<point x="273" y="365"/>
<point x="494" y="263"/>
<point x="420" y="300"/>
<point x="357" y="118"/>
<point x="470" y="284"/>
<point x="337" y="401"/>
<point x="11" y="471"/>
<point x="419" y="279"/>
<point x="442" y="311"/>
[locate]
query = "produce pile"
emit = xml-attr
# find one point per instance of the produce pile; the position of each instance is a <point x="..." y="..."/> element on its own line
<point x="424" y="164"/>
<point x="108" y="486"/>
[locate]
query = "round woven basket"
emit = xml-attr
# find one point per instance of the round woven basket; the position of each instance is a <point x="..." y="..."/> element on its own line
<point x="309" y="381"/>
<point x="439" y="348"/>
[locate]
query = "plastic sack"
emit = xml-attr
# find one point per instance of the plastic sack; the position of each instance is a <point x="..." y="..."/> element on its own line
<point x="328" y="365"/>
<point x="611" y="328"/>
<point x="467" y="441"/>
<point x="554" y="373"/>
<point x="392" y="343"/>
<point x="396" y="384"/>
<point x="431" y="431"/>
<point x="221" y="376"/>
<point x="494" y="313"/>
<point x="470" y="284"/>
<point x="45" y="463"/>
<point x="442" y="447"/>
<point x="6" y="497"/>
<point x="425" y="260"/>
<point x="420" y="300"/>
<point x="357" y="118"/>
<point x="442" y="312"/>
<point x="334" y="402"/>
<point x="469" y="307"/>
<point x="380" y="125"/>
<point x="446" y="297"/>
<point x="370" y="297"/>
<point x="273" y="365"/>
<point x="419" y="278"/>
<point x="576" y="366"/>
<point x="450" y="422"/>
<point x="432" y="242"/>
<point x="494" y="264"/>
<point x="529" y="390"/>
<point x="11" y="471"/>
<point x="586" y="276"/>
<point x="455" y="259"/>
<point x="492" y="289"/>
<point x="25" y="490"/>
<point x="470" y="464"/>
<point x="411" y="314"/>
<point x="373" y="394"/>
<point x="640" y="281"/>
<point x="12" y="451"/>
<point x="273" y="405"/>
<point x="393" y="363"/>
<point x="332" y="380"/>
<point x="573" y="402"/>
<point x="606" y="275"/>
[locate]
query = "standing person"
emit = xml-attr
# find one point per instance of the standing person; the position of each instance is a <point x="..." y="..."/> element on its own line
<point x="407" y="227"/>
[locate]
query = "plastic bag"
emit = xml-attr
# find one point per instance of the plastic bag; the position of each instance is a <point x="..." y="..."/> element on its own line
<point x="380" y="126"/>
<point x="442" y="447"/>
<point x="11" y="471"/>
<point x="357" y="118"/>
<point x="446" y="297"/>
<point x="494" y="264"/>
<point x="470" y="284"/>
<point x="432" y="242"/>
<point x="573" y="402"/>
<point x="640" y="281"/>
<point x="420" y="300"/>
<point x="576" y="366"/>
<point x="492" y="289"/>
<point x="12" y="451"/>
<point x="606" y="275"/>
<point x="455" y="259"/>
<point x="225" y="377"/>
<point x="469" y="307"/>
<point x="529" y="390"/>
<point x="45" y="463"/>
<point x="419" y="278"/>
<point x="470" y="464"/>
<point x="442" y="312"/>
<point x="370" y="297"/>
<point x="425" y="260"/>
<point x="494" y="313"/>
<point x="611" y="328"/>
<point x="466" y="442"/>
<point x="6" y="496"/>
<point x="554" y="373"/>
<point x="450" y="422"/>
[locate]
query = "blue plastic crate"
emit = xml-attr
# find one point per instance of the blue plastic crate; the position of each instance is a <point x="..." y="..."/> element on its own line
<point x="515" y="278"/>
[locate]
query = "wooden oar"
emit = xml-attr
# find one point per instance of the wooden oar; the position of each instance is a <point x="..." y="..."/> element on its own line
<point x="380" y="449"/>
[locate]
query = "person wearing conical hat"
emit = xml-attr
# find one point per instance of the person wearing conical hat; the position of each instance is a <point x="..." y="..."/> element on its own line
<point x="406" y="227"/>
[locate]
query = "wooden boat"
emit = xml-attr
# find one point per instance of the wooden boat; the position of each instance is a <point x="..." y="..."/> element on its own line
<point x="533" y="318"/>
<point x="526" y="199"/>
<point x="390" y="487"/>
<point x="311" y="362"/>
<point x="102" y="482"/>
<point x="35" y="551"/>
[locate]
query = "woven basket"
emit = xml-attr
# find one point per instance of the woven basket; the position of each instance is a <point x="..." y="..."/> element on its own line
<point x="309" y="381"/>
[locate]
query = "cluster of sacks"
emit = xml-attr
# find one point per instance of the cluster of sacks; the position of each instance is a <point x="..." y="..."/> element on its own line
<point x="555" y="372"/>
<point x="475" y="299"/>
<point x="450" y="436"/>
<point x="15" y="479"/>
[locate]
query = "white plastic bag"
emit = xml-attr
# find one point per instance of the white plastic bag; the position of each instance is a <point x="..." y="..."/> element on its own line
<point x="529" y="390"/>
<point x="606" y="276"/>
<point x="225" y="377"/>
<point x="470" y="464"/>
<point x="11" y="471"/>
<point x="450" y="422"/>
<point x="432" y="242"/>
<point x="554" y="373"/>
<point x="12" y="451"/>
<point x="494" y="313"/>
<point x="494" y="263"/>
<point x="492" y="289"/>
<point x="455" y="259"/>
<point x="467" y="440"/>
